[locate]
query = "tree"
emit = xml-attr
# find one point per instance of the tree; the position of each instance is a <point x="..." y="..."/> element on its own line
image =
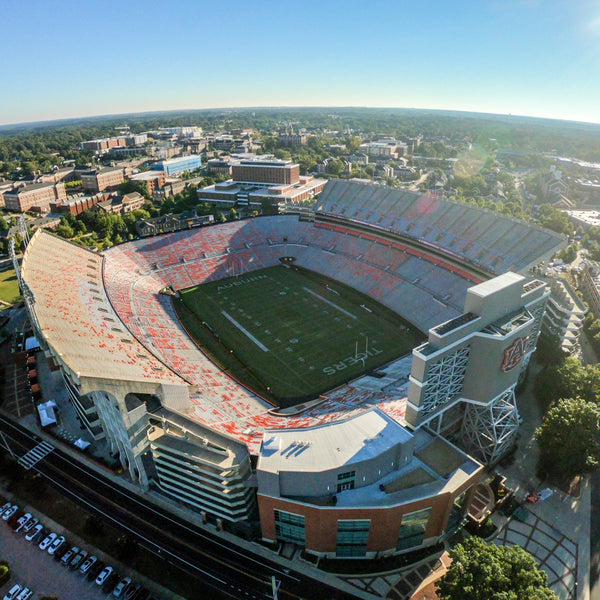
<point x="549" y="351"/>
<point x="335" y="167"/>
<point x="126" y="547"/>
<point x="4" y="573"/>
<point x="65" y="231"/>
<point x="568" y="439"/>
<point x="564" y="380"/>
<point x="482" y="571"/>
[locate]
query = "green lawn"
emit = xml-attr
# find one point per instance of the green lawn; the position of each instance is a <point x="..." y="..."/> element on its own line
<point x="292" y="334"/>
<point x="9" y="287"/>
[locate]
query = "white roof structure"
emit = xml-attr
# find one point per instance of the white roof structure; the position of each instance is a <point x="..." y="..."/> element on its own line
<point x="328" y="446"/>
<point x="46" y="413"/>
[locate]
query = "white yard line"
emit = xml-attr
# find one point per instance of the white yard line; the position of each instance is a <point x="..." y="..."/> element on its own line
<point x="244" y="331"/>
<point x="330" y="303"/>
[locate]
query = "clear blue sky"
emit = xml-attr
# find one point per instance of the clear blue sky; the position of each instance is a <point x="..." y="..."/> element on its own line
<point x="526" y="57"/>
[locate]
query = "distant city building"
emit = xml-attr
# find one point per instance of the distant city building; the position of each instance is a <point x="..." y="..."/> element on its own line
<point x="552" y="184"/>
<point x="220" y="166"/>
<point x="175" y="166"/>
<point x="186" y="132"/>
<point x="412" y="143"/>
<point x="77" y="205"/>
<point x="35" y="197"/>
<point x="384" y="149"/>
<point x="358" y="158"/>
<point x="122" y="205"/>
<point x="98" y="180"/>
<point x="65" y="174"/>
<point x="262" y="178"/>
<point x="589" y="284"/>
<point x="103" y="144"/>
<point x="585" y="191"/>
<point x="404" y="172"/>
<point x="586" y="218"/>
<point x="225" y="142"/>
<point x="128" y="151"/>
<point x="155" y="180"/>
<point x="232" y="193"/>
<point x="169" y="222"/>
<point x="292" y="139"/>
<point x="265" y="169"/>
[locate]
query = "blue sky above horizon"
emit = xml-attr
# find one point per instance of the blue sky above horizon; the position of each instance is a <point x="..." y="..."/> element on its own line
<point x="66" y="59"/>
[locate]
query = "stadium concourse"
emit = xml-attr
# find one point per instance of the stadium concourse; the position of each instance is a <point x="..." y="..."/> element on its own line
<point x="136" y="378"/>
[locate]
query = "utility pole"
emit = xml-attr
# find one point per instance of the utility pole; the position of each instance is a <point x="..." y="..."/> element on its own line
<point x="275" y="586"/>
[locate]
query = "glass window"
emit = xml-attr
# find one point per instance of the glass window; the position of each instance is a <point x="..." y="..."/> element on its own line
<point x="345" y="481"/>
<point x="289" y="527"/>
<point x="352" y="537"/>
<point x="412" y="529"/>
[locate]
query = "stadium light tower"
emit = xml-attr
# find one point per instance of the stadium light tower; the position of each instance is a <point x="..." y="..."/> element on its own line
<point x="23" y="230"/>
<point x="13" y="256"/>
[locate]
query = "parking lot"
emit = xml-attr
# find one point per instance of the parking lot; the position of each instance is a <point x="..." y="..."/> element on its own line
<point x="35" y="569"/>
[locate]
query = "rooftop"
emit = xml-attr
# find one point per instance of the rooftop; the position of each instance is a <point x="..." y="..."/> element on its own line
<point x="179" y="159"/>
<point x="324" y="447"/>
<point x="493" y="285"/>
<point x="147" y="175"/>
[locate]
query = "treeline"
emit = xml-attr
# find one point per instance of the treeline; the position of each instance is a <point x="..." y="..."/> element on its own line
<point x="97" y="229"/>
<point x="30" y="148"/>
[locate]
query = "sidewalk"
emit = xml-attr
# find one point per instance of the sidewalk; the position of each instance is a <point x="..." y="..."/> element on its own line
<point x="557" y="532"/>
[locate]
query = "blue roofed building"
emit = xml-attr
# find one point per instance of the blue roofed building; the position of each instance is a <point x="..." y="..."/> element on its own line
<point x="175" y="166"/>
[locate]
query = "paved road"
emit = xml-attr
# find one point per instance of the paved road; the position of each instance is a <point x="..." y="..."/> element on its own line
<point x="203" y="555"/>
<point x="595" y="538"/>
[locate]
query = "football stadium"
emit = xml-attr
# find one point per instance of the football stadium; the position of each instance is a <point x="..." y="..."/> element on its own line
<point x="335" y="383"/>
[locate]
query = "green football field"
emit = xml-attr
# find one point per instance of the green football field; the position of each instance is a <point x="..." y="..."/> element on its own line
<point x="290" y="333"/>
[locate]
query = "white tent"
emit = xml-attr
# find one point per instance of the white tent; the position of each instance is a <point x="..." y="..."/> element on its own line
<point x="47" y="414"/>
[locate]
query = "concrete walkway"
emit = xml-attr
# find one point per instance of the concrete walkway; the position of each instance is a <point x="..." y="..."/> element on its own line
<point x="557" y="531"/>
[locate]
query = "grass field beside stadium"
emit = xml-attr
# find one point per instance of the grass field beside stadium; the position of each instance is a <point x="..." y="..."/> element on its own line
<point x="290" y="333"/>
<point x="9" y="287"/>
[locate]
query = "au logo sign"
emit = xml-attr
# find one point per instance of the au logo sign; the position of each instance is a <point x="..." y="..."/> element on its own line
<point x="514" y="354"/>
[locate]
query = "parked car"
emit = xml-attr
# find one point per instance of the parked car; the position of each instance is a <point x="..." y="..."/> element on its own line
<point x="47" y="541"/>
<point x="87" y="564"/>
<point x="76" y="560"/>
<point x="60" y="552"/>
<point x="68" y="555"/>
<point x="29" y="525"/>
<point x="35" y="534"/>
<point x="22" y="521"/>
<point x="56" y="544"/>
<point x="12" y="593"/>
<point x="25" y="594"/>
<point x="120" y="588"/>
<point x="95" y="570"/>
<point x="103" y="575"/>
<point x="131" y="591"/>
<point x="142" y="594"/>
<point x="6" y="515"/>
<point x="5" y="507"/>
<point x="109" y="585"/>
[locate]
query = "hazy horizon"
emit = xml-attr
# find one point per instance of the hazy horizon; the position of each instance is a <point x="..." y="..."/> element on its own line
<point x="166" y="112"/>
